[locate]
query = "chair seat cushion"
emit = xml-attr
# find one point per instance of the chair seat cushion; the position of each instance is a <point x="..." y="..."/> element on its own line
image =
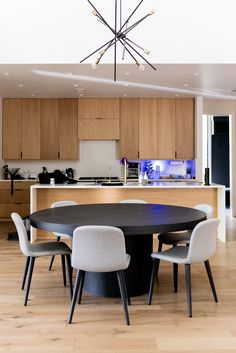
<point x="177" y="254"/>
<point x="173" y="238"/>
<point x="49" y="249"/>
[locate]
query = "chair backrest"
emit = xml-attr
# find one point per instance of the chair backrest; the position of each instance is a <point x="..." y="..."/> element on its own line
<point x="203" y="241"/>
<point x="132" y="201"/>
<point x="207" y="209"/>
<point x="98" y="249"/>
<point x="63" y="203"/>
<point x="22" y="234"/>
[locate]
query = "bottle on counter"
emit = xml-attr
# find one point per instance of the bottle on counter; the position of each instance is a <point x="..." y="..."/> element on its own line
<point x="145" y="179"/>
<point x="140" y="178"/>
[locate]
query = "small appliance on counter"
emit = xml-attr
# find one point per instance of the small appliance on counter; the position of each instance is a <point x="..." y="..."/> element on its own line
<point x="133" y="170"/>
<point x="57" y="176"/>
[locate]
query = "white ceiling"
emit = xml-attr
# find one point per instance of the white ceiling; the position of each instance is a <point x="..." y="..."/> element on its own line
<point x="79" y="80"/>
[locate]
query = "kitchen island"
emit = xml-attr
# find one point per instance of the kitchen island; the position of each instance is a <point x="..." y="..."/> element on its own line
<point x="168" y="193"/>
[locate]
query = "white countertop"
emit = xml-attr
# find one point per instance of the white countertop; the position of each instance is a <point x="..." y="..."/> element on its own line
<point x="164" y="184"/>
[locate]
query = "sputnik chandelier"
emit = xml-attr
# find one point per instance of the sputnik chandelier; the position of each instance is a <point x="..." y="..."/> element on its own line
<point x="120" y="32"/>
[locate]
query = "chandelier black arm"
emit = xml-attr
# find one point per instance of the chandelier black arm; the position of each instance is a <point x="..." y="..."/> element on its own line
<point x="135" y="24"/>
<point x="95" y="51"/>
<point x="130" y="16"/>
<point x="101" y="17"/>
<point x="115" y="40"/>
<point x="128" y="51"/>
<point x="137" y="45"/>
<point x="140" y="55"/>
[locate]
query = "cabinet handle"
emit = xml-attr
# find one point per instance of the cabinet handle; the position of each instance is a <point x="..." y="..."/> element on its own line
<point x="138" y="154"/>
<point x="175" y="154"/>
<point x="21" y="154"/>
<point x="58" y="154"/>
<point x="98" y="118"/>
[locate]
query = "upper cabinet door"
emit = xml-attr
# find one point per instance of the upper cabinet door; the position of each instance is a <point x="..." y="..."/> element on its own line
<point x="166" y="128"/>
<point x="11" y="129"/>
<point x="184" y="115"/>
<point x="147" y="128"/>
<point x="30" y="116"/>
<point x="49" y="147"/>
<point x="104" y="108"/>
<point x="129" y="121"/>
<point x="68" y="129"/>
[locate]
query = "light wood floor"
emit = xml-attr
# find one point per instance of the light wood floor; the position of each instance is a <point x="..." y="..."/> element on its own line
<point x="99" y="323"/>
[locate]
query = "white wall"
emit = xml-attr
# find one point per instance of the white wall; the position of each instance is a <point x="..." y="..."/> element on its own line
<point x="65" y="31"/>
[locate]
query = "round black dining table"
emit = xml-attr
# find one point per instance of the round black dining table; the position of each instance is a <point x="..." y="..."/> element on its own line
<point x="138" y="222"/>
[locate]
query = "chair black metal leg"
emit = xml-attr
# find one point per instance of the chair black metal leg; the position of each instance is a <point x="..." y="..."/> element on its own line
<point x="188" y="288"/>
<point x="63" y="266"/>
<point x="160" y="246"/>
<point x="69" y="271"/>
<point x="175" y="273"/>
<point x="75" y="294"/>
<point x="123" y="295"/>
<point x="53" y="257"/>
<point x="155" y="267"/>
<point x="210" y="277"/>
<point x="31" y="268"/>
<point x="126" y="292"/>
<point x="26" y="271"/>
<point x="81" y="286"/>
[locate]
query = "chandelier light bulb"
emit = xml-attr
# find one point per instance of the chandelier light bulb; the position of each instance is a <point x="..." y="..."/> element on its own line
<point x="146" y="51"/>
<point x="94" y="13"/>
<point x="151" y="12"/>
<point x="141" y="67"/>
<point x="94" y="66"/>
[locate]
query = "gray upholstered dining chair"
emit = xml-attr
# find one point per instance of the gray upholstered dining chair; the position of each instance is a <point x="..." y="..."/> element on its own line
<point x="59" y="235"/>
<point x="32" y="251"/>
<point x="201" y="247"/>
<point x="177" y="238"/>
<point x="132" y="201"/>
<point x="99" y="249"/>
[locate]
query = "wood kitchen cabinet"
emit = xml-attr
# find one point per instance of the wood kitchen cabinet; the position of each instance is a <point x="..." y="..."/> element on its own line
<point x="68" y="129"/>
<point x="99" y="119"/>
<point x="40" y="129"/>
<point x="18" y="202"/>
<point x="160" y="128"/>
<point x="184" y="128"/>
<point x="11" y="129"/>
<point x="129" y="128"/>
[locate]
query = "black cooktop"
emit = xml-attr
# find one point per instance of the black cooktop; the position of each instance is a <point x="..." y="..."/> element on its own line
<point x="98" y="180"/>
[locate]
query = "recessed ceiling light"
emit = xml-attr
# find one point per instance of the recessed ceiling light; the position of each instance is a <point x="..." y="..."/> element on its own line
<point x="185" y="84"/>
<point x="80" y="89"/>
<point x="81" y="95"/>
<point x="176" y="95"/>
<point x="6" y="73"/>
<point x="124" y="95"/>
<point x="126" y="84"/>
<point x="76" y="85"/>
<point x="69" y="73"/>
<point x="32" y="95"/>
<point x="127" y="73"/>
<point x="196" y="73"/>
<point x="21" y="85"/>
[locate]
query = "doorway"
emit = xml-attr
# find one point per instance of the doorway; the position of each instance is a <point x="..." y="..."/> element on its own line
<point x="217" y="151"/>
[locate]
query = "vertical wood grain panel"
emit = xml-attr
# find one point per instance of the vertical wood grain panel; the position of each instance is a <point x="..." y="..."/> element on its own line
<point x="11" y="129"/>
<point x="147" y="128"/>
<point x="129" y="121"/>
<point x="30" y="128"/>
<point x="184" y="128"/>
<point x="166" y="128"/>
<point x="49" y="146"/>
<point x="68" y="129"/>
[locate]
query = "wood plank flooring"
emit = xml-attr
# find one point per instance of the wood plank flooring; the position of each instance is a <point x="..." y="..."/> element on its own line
<point x="99" y="325"/>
